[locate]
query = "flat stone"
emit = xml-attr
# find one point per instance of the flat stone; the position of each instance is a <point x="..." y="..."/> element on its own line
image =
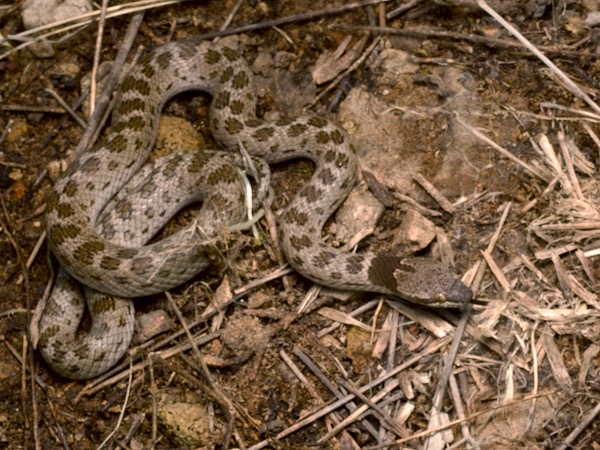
<point x="379" y="140"/>
<point x="414" y="233"/>
<point x="360" y="211"/>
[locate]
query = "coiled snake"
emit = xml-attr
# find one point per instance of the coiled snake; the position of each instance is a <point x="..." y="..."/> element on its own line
<point x="108" y="256"/>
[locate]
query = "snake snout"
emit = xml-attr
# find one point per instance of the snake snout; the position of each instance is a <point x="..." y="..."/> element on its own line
<point x="458" y="294"/>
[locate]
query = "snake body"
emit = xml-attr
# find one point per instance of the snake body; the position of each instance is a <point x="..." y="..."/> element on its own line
<point x="127" y="268"/>
<point x="131" y="218"/>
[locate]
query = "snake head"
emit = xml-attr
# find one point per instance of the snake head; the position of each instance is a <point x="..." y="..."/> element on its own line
<point x="422" y="281"/>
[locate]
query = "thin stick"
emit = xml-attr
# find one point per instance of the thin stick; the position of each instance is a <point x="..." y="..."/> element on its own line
<point x="350" y="406"/>
<point x="153" y="392"/>
<point x="460" y="421"/>
<point x="582" y="112"/>
<point x="458" y="406"/>
<point x="579" y="428"/>
<point x="66" y="107"/>
<point x="491" y="262"/>
<point x="333" y="406"/>
<point x="230" y="16"/>
<point x="116" y="376"/>
<point x="6" y="130"/>
<point x="531" y="169"/>
<point x="217" y="394"/>
<point x="592" y="134"/>
<point x="83" y="20"/>
<point x="123" y="409"/>
<point x="112" y="11"/>
<point x="24" y="408"/>
<point x="13" y="351"/>
<point x="435" y="193"/>
<point x="402" y="9"/>
<point x="447" y="35"/>
<point x="568" y="161"/>
<point x="372" y="403"/>
<point x="356" y="312"/>
<point x="536" y="377"/>
<point x="32" y="108"/>
<point x="440" y="389"/>
<point x="28" y="361"/>
<point x="480" y="271"/>
<point x="368" y="403"/>
<point x="99" y="34"/>
<point x="291" y="19"/>
<point x="113" y="78"/>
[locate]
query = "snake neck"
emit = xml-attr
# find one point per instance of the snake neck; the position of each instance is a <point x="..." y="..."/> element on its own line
<point x="235" y="126"/>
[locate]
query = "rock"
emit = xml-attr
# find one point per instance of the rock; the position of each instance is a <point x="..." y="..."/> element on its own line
<point x="263" y="7"/>
<point x="408" y="129"/>
<point x="150" y="324"/>
<point x="448" y="83"/>
<point x="359" y="212"/>
<point x="414" y="233"/>
<point x="331" y="64"/>
<point x="36" y="13"/>
<point x="263" y="64"/>
<point x="290" y="91"/>
<point x="56" y="168"/>
<point x="41" y="49"/>
<point x="185" y="419"/>
<point x="379" y="139"/>
<point x="283" y="60"/>
<point x="359" y="348"/>
<point x="592" y="19"/>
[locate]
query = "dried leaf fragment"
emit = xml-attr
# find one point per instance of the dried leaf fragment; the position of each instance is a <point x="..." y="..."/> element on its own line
<point x="331" y="64"/>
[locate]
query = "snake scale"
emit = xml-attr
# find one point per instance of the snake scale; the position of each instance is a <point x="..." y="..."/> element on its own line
<point x="98" y="246"/>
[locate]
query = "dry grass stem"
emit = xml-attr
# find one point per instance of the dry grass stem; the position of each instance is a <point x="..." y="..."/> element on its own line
<point x="358" y="311"/>
<point x="480" y="270"/>
<point x="356" y="415"/>
<point x="569" y="163"/>
<point x="584" y="423"/>
<point x="67" y="108"/>
<point x="540" y="173"/>
<point x="81" y="21"/>
<point x="96" y="63"/>
<point x="350" y="406"/>
<point x="428" y="320"/>
<point x="570" y="84"/>
<point x="493" y="266"/>
<point x="343" y="318"/>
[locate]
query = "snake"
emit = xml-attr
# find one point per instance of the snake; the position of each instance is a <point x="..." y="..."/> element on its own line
<point x="118" y="266"/>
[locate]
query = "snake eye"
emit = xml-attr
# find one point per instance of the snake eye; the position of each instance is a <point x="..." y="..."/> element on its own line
<point x="440" y="298"/>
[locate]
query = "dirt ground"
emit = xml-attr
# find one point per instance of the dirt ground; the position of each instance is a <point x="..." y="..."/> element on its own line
<point x="443" y="94"/>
